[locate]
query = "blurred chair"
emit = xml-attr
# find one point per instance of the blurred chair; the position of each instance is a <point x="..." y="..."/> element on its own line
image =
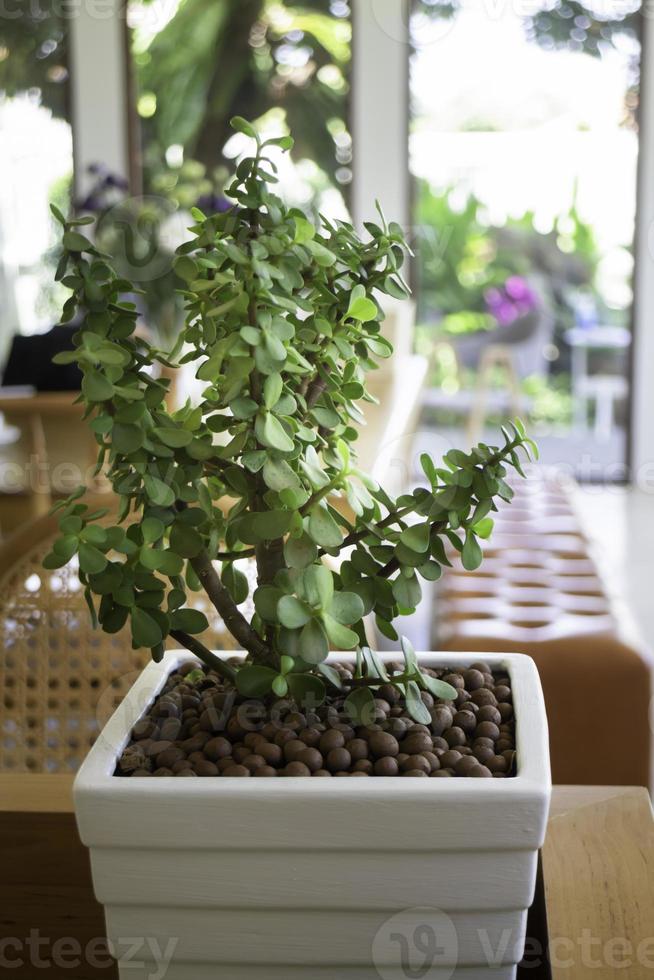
<point x="385" y="441"/>
<point x="60" y="679"/>
<point x="53" y="452"/>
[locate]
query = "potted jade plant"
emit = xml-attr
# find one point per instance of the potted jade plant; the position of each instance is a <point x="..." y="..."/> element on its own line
<point x="291" y="875"/>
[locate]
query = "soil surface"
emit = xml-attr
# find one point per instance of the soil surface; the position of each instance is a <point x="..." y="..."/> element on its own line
<point x="199" y="726"/>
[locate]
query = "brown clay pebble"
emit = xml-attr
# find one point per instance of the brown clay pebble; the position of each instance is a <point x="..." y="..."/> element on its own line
<point x="311" y="758"/>
<point x="415" y="772"/>
<point x="383" y="744"/>
<point x="310" y="737"/>
<point x="283" y="736"/>
<point x="386" y="766"/>
<point x="293" y="749"/>
<point x="169" y="757"/>
<point x="415" y="762"/>
<point x="163" y="772"/>
<point x="170" y="728"/>
<point x="154" y="748"/>
<point x="474" y="679"/>
<point x="465" y="765"/>
<point x="362" y="765"/>
<point x="483" y="696"/>
<point x="236" y="771"/>
<point x="144" y="729"/>
<point x="186" y="772"/>
<point x="433" y="760"/>
<point x="455" y="736"/>
<point x="455" y="680"/>
<point x="442" y="772"/>
<point x="503" y="693"/>
<point x="322" y="772"/>
<point x="332" y="739"/>
<point x="483" y="753"/>
<point x="296" y="769"/>
<point x="265" y="771"/>
<point x="217" y="748"/>
<point x="466" y="720"/>
<point x="270" y="752"/>
<point x="338" y="759"/>
<point x="486" y="729"/>
<point x="205" y="768"/>
<point x="497" y="763"/>
<point x="416" y="743"/>
<point x="450" y="758"/>
<point x="253" y="762"/>
<point x="358" y="749"/>
<point x="480" y="772"/>
<point x="489" y="713"/>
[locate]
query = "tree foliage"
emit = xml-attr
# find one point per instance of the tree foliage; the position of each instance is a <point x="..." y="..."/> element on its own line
<point x="283" y="322"/>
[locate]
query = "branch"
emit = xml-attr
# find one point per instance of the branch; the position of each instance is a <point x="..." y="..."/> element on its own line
<point x="234" y="620"/>
<point x="208" y="658"/>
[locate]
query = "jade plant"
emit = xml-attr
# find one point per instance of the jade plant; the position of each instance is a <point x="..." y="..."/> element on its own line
<point x="283" y="323"/>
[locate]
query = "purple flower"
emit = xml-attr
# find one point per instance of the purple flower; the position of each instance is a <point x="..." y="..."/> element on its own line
<point x="514" y="299"/>
<point x="214" y="204"/>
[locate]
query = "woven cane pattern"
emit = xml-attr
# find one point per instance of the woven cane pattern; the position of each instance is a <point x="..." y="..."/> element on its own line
<point x="60" y="679"/>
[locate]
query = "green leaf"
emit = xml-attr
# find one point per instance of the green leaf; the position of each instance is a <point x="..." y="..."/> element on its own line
<point x="185" y="268"/>
<point x="304" y="230"/>
<point x="126" y="439"/>
<point x="339" y="636"/>
<point x="300" y="552"/>
<point x="272" y="389"/>
<point x="314" y="647"/>
<point x="236" y="583"/>
<point x="96" y="388"/>
<point x="189" y="621"/>
<point x="270" y="432"/>
<point x="360" y="706"/>
<point x="241" y="125"/>
<point x="346" y="608"/>
<point x="152" y="529"/>
<point x="255" y="681"/>
<point x="175" y="438"/>
<point x="406" y="591"/>
<point x="292" y="612"/>
<point x="74" y="242"/>
<point x="185" y="540"/>
<point x="266" y="599"/>
<point x="323" y="529"/>
<point x="280" y="686"/>
<point x="471" y="555"/>
<point x="416" y="537"/>
<point x="159" y="492"/>
<point x="484" y="528"/>
<point x="440" y="689"/>
<point x="278" y="475"/>
<point x="146" y="631"/>
<point x="410" y="658"/>
<point x="415" y="705"/>
<point x="362" y="309"/>
<point x="307" y="690"/>
<point x="316" y="586"/>
<point x="91" y="560"/>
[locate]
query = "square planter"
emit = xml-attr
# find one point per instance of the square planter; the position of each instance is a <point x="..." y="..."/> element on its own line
<point x="317" y="879"/>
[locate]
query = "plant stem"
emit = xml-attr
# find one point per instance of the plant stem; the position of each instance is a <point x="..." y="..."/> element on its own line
<point x="208" y="658"/>
<point x="234" y="620"/>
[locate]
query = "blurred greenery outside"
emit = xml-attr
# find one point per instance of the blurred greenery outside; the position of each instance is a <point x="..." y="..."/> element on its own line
<point x="465" y="254"/>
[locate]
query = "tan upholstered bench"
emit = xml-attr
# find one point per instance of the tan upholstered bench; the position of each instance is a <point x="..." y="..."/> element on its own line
<point x="539" y="592"/>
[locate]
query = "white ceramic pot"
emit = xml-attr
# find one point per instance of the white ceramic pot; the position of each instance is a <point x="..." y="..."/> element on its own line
<point x="317" y="879"/>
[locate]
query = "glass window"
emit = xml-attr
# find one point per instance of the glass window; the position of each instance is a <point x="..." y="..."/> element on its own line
<point x="36" y="164"/>
<point x="523" y="150"/>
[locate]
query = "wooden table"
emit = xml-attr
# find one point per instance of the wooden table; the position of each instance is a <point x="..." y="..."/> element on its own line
<point x="594" y="910"/>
